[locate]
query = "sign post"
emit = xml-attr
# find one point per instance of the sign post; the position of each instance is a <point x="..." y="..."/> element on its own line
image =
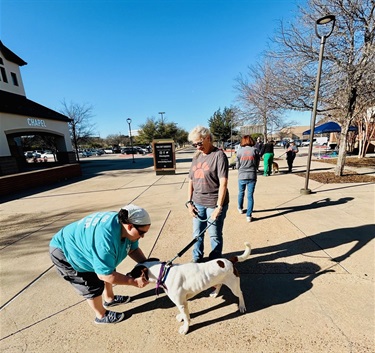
<point x="164" y="157"/>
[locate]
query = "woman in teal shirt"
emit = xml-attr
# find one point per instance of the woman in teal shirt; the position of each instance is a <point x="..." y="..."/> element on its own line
<point x="87" y="252"/>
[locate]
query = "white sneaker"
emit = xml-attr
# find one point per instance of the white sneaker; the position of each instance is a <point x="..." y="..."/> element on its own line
<point x="249" y="219"/>
<point x="240" y="211"/>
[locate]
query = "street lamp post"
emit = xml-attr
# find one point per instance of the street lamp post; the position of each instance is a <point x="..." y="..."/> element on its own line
<point x="130" y="136"/>
<point x="231" y="135"/>
<point x="162" y="120"/>
<point x="321" y="21"/>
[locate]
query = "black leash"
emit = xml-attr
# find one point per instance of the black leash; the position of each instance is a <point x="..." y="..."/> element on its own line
<point x="187" y="247"/>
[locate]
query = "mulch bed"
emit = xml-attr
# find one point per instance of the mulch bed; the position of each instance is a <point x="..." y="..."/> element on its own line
<point x="348" y="175"/>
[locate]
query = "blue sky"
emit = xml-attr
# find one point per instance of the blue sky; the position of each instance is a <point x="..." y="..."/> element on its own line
<point x="134" y="59"/>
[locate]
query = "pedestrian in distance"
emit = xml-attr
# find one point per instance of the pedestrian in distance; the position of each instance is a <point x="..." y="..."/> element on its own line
<point x="247" y="164"/>
<point x="87" y="252"/>
<point x="290" y="155"/>
<point x="259" y="144"/>
<point x="267" y="153"/>
<point x="208" y="195"/>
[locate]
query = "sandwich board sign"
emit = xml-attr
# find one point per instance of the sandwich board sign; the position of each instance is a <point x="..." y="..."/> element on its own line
<point x="164" y="157"/>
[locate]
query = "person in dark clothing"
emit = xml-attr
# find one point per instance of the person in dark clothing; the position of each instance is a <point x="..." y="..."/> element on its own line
<point x="290" y="155"/>
<point x="267" y="154"/>
<point x="259" y="144"/>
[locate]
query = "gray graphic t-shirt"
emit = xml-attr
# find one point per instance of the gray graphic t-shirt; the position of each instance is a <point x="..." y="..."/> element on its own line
<point x="205" y="172"/>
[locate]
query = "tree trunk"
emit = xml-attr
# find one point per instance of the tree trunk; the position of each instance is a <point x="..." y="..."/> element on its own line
<point x="339" y="169"/>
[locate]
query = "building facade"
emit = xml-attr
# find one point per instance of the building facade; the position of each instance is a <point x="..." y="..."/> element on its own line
<point x="20" y="116"/>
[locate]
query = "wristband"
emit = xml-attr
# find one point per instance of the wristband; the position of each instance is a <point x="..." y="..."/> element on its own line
<point x="189" y="203"/>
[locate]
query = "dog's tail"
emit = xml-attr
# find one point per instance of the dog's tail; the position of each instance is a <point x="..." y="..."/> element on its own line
<point x="244" y="256"/>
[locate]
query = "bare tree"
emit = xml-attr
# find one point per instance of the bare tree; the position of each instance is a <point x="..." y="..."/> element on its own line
<point x="348" y="75"/>
<point x="256" y="95"/>
<point x="366" y="130"/>
<point x="81" y="127"/>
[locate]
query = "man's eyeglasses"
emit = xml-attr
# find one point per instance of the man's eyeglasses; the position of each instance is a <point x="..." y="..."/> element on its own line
<point x="198" y="144"/>
<point x="140" y="232"/>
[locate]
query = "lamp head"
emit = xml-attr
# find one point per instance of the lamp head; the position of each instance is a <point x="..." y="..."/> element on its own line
<point x="129" y="120"/>
<point x="324" y="21"/>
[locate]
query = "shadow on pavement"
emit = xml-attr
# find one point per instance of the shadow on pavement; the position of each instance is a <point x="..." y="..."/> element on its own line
<point x="284" y="281"/>
<point x="314" y="205"/>
<point x="360" y="236"/>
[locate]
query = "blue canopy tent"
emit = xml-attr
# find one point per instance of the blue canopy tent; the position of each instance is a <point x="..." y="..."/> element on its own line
<point x="327" y="128"/>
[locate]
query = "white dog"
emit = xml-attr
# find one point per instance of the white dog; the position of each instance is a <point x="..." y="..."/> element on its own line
<point x="183" y="281"/>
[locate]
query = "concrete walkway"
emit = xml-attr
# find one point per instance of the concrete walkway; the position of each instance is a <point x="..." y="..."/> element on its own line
<point x="308" y="286"/>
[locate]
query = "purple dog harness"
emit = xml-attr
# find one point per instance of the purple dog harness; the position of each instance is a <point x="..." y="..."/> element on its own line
<point x="164" y="270"/>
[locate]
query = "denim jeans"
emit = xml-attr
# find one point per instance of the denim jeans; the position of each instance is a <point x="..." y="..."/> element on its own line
<point x="250" y="183"/>
<point x="215" y="230"/>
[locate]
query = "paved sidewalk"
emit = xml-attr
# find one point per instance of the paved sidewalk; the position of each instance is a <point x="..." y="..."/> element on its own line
<point x="308" y="286"/>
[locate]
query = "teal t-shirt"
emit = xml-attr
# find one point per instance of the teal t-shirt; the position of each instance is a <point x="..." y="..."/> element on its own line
<point x="94" y="243"/>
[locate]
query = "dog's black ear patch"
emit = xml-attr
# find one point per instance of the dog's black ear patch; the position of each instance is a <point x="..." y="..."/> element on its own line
<point x="137" y="271"/>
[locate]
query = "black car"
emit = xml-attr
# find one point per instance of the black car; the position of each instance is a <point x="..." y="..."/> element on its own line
<point x="129" y="150"/>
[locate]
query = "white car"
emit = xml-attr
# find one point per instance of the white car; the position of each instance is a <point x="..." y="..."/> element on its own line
<point x="47" y="154"/>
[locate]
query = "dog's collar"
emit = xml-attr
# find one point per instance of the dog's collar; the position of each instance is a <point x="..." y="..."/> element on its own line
<point x="164" y="270"/>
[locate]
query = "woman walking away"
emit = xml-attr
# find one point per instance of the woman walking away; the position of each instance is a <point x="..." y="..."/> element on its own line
<point x="247" y="164"/>
<point x="267" y="154"/>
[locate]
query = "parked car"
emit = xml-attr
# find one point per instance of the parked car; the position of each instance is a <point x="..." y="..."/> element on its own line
<point x="298" y="143"/>
<point x="97" y="152"/>
<point x="29" y="154"/>
<point x="141" y="150"/>
<point x="129" y="150"/>
<point x="47" y="154"/>
<point x="85" y="154"/>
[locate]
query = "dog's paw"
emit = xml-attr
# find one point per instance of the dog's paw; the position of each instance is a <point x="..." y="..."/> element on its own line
<point x="180" y="317"/>
<point x="242" y="309"/>
<point x="183" y="330"/>
<point x="215" y="292"/>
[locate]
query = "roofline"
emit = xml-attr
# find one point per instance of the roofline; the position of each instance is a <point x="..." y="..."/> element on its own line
<point x="10" y="56"/>
<point x="17" y="104"/>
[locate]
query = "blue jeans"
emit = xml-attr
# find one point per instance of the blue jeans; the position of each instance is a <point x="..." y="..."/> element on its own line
<point x="215" y="230"/>
<point x="250" y="183"/>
